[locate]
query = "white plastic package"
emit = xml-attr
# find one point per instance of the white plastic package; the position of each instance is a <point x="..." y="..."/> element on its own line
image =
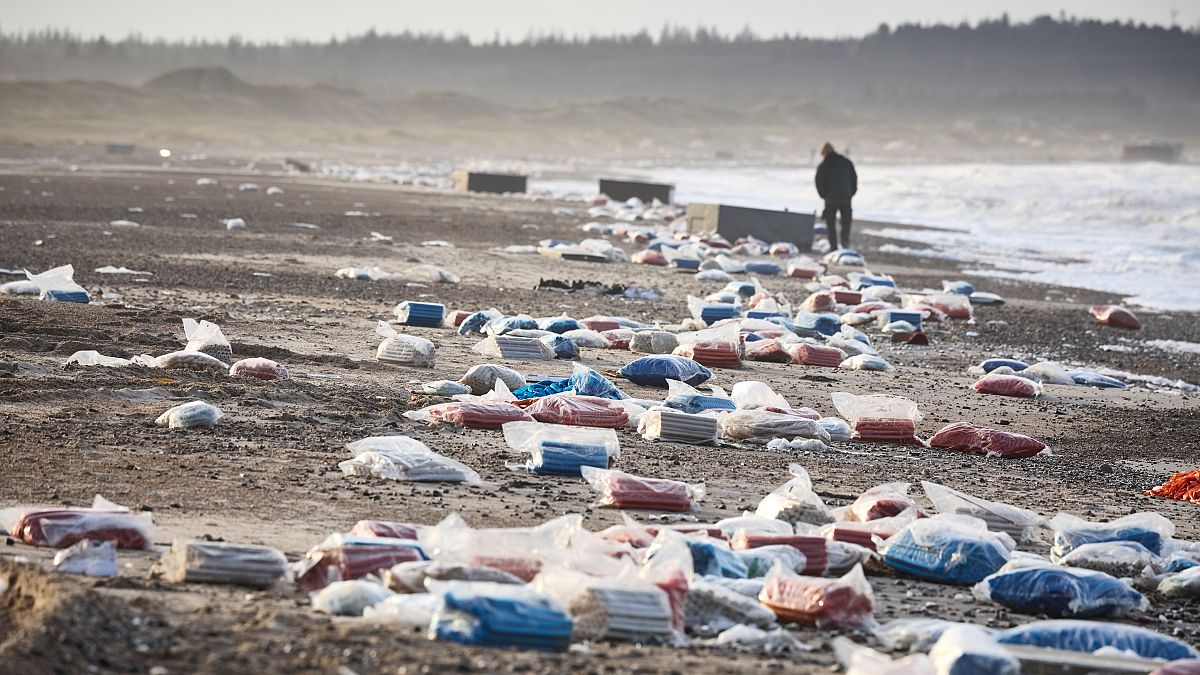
<point x="795" y="501"/>
<point x="1048" y="372"/>
<point x="556" y="446"/>
<point x="1185" y="584"/>
<point x="87" y="557"/>
<point x="859" y="660"/>
<point x="1149" y="529"/>
<point x="403" y="458"/>
<point x="407" y="350"/>
<point x="715" y="607"/>
<point x="751" y="394"/>
<point x="412" y="610"/>
<point x="94" y="358"/>
<point x="189" y="415"/>
<point x="1117" y="558"/>
<point x="752" y="524"/>
<point x="190" y="361"/>
<point x="216" y="562"/>
<point x="653" y="342"/>
<point x="412" y="576"/>
<point x="482" y="378"/>
<point x="445" y="388"/>
<point x="587" y="338"/>
<point x="206" y="337"/>
<point x="865" y="362"/>
<point x="837" y="428"/>
<point x="432" y="274"/>
<point x="349" y="598"/>
<point x="59" y="284"/>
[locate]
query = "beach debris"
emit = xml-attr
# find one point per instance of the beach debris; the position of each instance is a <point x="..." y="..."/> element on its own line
<point x="879" y="417"/>
<point x="1183" y="486"/>
<point x="654" y="371"/>
<point x="61" y="527"/>
<point x="499" y="615"/>
<point x="966" y="648"/>
<point x="404" y="458"/>
<point x="349" y="598"/>
<point x="406" y="350"/>
<point x="947" y="548"/>
<point x="1115" y="316"/>
<point x="977" y="440"/>
<point x="1007" y="385"/>
<point x="195" y="414"/>
<point x="109" y="269"/>
<point x="59" y="285"/>
<point x="88" y="557"/>
<point x="235" y="224"/>
<point x="259" y="369"/>
<point x="207" y="338"/>
<point x="562" y="451"/>
<point x="210" y="562"/>
<point x="1091" y="636"/>
<point x="620" y="490"/>
<point x="1059" y="592"/>
<point x="363" y="273"/>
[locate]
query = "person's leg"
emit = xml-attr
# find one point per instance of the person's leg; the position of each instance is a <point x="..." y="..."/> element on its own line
<point x="847" y="218"/>
<point x="831" y="231"/>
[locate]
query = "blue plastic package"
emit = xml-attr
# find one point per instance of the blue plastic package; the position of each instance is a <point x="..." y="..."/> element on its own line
<point x="822" y="324"/>
<point x="564" y="348"/>
<point x="426" y="314"/>
<point x="511" y="323"/>
<point x="542" y="388"/>
<point x="958" y="287"/>
<point x="1178" y="563"/>
<point x="500" y="615"/>
<point x="855" y="334"/>
<point x="587" y="382"/>
<point x="751" y="337"/>
<point x="654" y="371"/>
<point x="473" y="324"/>
<point x="945" y="548"/>
<point x="684" y="263"/>
<point x="769" y="269"/>
<point x="559" y="324"/>
<point x="562" y="458"/>
<point x="965" y="649"/>
<point x="712" y="559"/>
<point x="1060" y="592"/>
<point x="1087" y="378"/>
<point x="742" y="288"/>
<point x="867" y="280"/>
<point x="991" y="364"/>
<point x="685" y="399"/>
<point x="759" y="314"/>
<point x="1088" y="636"/>
<point x="1149" y="529"/>
<point x="81" y="297"/>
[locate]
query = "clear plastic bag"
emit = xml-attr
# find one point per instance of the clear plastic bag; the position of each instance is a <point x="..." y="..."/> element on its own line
<point x="916" y="635"/>
<point x="714" y="607"/>
<point x="1090" y="636"/>
<point x="752" y="394"/>
<point x="87" y="557"/>
<point x="752" y="523"/>
<point x="412" y="577"/>
<point x="190" y="361"/>
<point x="1007" y="385"/>
<point x="403" y="458"/>
<point x="846" y="602"/>
<point x="343" y="557"/>
<point x="816" y="355"/>
<point x="1185" y="584"/>
<point x="560" y="450"/>
<point x="386" y="528"/>
<point x="1020" y="524"/>
<point x="424" y="314"/>
<point x="948" y="549"/>
<point x="669" y="425"/>
<point x="621" y="490"/>
<point x="686" y="399"/>
<point x="207" y="338"/>
<point x="714" y="348"/>
<point x="713" y="557"/>
<point x="584" y="411"/>
<point x="587" y="338"/>
<point x="482" y="413"/>
<point x="587" y="382"/>
<point x="189" y="415"/>
<point x="1059" y="592"/>
<point x="413" y="610"/>
<point x="476" y="323"/>
<point x="445" y="388"/>
<point x="795" y="501"/>
<point x="517" y="348"/>
<point x="971" y="650"/>
<point x="1149" y="529"/>
<point x="349" y="598"/>
<point x="60" y="527"/>
<point x="764" y="425"/>
<point x="432" y="274"/>
<point x="879" y="417"/>
<point x="613" y="608"/>
<point x="865" y="362"/>
<point x="209" y="562"/>
<point x="858" y="660"/>
<point x="1119" y="558"/>
<point x="482" y="378"/>
<point x="837" y="428"/>
<point x="653" y="342"/>
<point x="761" y="559"/>
<point x="1048" y="372"/>
<point x="881" y="501"/>
<point x="407" y="350"/>
<point x="977" y="440"/>
<point x="259" y="369"/>
<point x="59" y="284"/>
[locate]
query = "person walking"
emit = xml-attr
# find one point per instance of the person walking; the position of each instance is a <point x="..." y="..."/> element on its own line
<point x="836" y="184"/>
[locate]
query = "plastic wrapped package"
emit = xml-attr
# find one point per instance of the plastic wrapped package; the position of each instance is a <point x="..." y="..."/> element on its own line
<point x="189" y="415"/>
<point x="686" y="399"/>
<point x="1048" y="372"/>
<point x="750" y="394"/>
<point x="846" y="602"/>
<point x="713" y="351"/>
<point x="653" y="342"/>
<point x="472" y="414"/>
<point x="865" y="362"/>
<point x="413" y="610"/>
<point x="795" y="501"/>
<point x="349" y="598"/>
<point x="386" y="528"/>
<point x="613" y="608"/>
<point x="917" y="635"/>
<point x="622" y="338"/>
<point x="710" y="313"/>
<point x="259" y="369"/>
<point x="482" y="378"/>
<point x="1007" y="385"/>
<point x="821" y="301"/>
<point x="977" y="440"/>
<point x="881" y="501"/>
<point x="411" y="577"/>
<point x="1148" y="529"/>
<point x="713" y="557"/>
<point x="1185" y="584"/>
<point x="407" y="350"/>
<point x="1118" y="558"/>
<point x="1020" y="524"/>
<point x="1179" y="667"/>
<point x="404" y="458"/>
<point x="522" y="552"/>
<point x="764" y="424"/>
<point x="426" y="314"/>
<point x="206" y="337"/>
<point x="1115" y="316"/>
<point x="668" y="565"/>
<point x="59" y="285"/>
<point x="476" y="323"/>
<point x="584" y="411"/>
<point x="456" y="318"/>
<point x="562" y="450"/>
<point x="1090" y="636"/>
<point x="210" y="562"/>
<point x="1178" y="562"/>
<point x="1086" y="378"/>
<point x="715" y="607"/>
<point x="947" y="549"/>
<point x="1059" y="592"/>
<point x="60" y="527"/>
<point x="345" y="557"/>
<point x="768" y="351"/>
<point x="559" y="324"/>
<point x="445" y="388"/>
<point x="602" y="324"/>
<point x="87" y="557"/>
<point x="837" y="428"/>
<point x="561" y="346"/>
<point x="761" y="559"/>
<point x="879" y="417"/>
<point x="988" y="365"/>
<point x="805" y="269"/>
<point x="517" y="348"/>
<point x="953" y="305"/>
<point x="814" y="549"/>
<point x="22" y="287"/>
<point x="816" y="355"/>
<point x="586" y="338"/>
<point x="498" y="615"/>
<point x="858" y="660"/>
<point x="190" y="361"/>
<point x="796" y="445"/>
<point x="971" y="650"/>
<point x="864" y="535"/>
<point x="621" y="490"/>
<point x="654" y="371"/>
<point x="678" y="427"/>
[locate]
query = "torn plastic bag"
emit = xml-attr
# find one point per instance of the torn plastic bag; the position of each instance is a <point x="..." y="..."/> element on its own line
<point x="846" y="602"/>
<point x="714" y="607"/>
<point x="1059" y="592"/>
<point x="613" y="608"/>
<point x="189" y="415"/>
<point x="259" y="369"/>
<point x="1149" y="529"/>
<point x="763" y="425"/>
<point x="413" y="610"/>
<point x="561" y="451"/>
<point x="622" y="490"/>
<point x="498" y="615"/>
<point x="971" y="650"/>
<point x="663" y="424"/>
<point x="87" y="557"/>
<point x="947" y="549"/>
<point x="1090" y="636"/>
<point x="654" y="371"/>
<point x="865" y="362"/>
<point x="189" y="361"/>
<point x="408" y="350"/>
<point x="411" y="577"/>
<point x="881" y="501"/>
<point x="1115" y="316"/>
<point x="403" y="458"/>
<point x="973" y="439"/>
<point x="879" y="417"/>
<point x="1185" y="584"/>
<point x="58" y="284"/>
<point x="858" y="660"/>
<point x="60" y="527"/>
<point x="1020" y="524"/>
<point x="343" y="557"/>
<point x="751" y="394"/>
<point x="482" y="378"/>
<point x="686" y="399"/>
<point x="795" y="501"/>
<point x="1007" y="385"/>
<point x="522" y="552"/>
<point x="210" y="562"/>
<point x="349" y="598"/>
<point x="584" y="411"/>
<point x="207" y="338"/>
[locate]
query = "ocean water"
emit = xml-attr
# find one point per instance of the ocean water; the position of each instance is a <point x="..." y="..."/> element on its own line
<point x="1131" y="229"/>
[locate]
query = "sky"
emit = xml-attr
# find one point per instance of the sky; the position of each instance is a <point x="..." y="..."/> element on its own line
<point x="481" y="20"/>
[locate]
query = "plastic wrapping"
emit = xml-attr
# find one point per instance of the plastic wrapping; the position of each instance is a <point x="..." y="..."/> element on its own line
<point x="715" y="348"/>
<point x="837" y="428"/>
<point x="653" y="342"/>
<point x="654" y="371"/>
<point x="349" y="598"/>
<point x="411" y="577"/>
<point x="710" y="313"/>
<point x="404" y="458"/>
<point x="971" y="650"/>
<point x="1007" y="385"/>
<point x="480" y="414"/>
<point x="517" y="348"/>
<point x="858" y="660"/>
<point x="751" y="394"/>
<point x="795" y="501"/>
<point x="444" y="388"/>
<point x="584" y="411"/>
<point x="562" y="347"/>
<point x="620" y="608"/>
<point x="259" y="369"/>
<point x="1148" y="529"/>
<point x="190" y="361"/>
<point x="60" y="527"/>
<point x="1179" y="667"/>
<point x="761" y="559"/>
<point x="668" y="565"/>
<point x="713" y="557"/>
<point x="764" y="424"/>
<point x="498" y="615"/>
<point x="1059" y="592"/>
<point x="385" y="528"/>
<point x="814" y="550"/>
<point x="649" y="257"/>
<point x="87" y="557"/>
<point x="917" y="635"/>
<point x="679" y="427"/>
<point x="686" y="399"/>
<point x="1117" y="317"/>
<point x="846" y="602"/>
<point x="1089" y="636"/>
<point x="1086" y="378"/>
<point x="562" y="450"/>
<point x="622" y="338"/>
<point x="816" y="355"/>
<point x="206" y="337"/>
<point x="953" y="305"/>
<point x="476" y="322"/>
<point x="947" y="549"/>
<point x="410" y="610"/>
<point x="715" y="607"/>
<point x="1118" y="558"/>
<point x="768" y="351"/>
<point x="346" y="557"/>
<point x="1020" y="524"/>
<point x="58" y="284"/>
<point x="821" y="301"/>
<point x="482" y="378"/>
<point x="407" y="350"/>
<point x="425" y="314"/>
<point x="522" y="552"/>
<point x="1185" y="584"/>
<point x="977" y="440"/>
<point x="1048" y="372"/>
<point x="879" y="417"/>
<point x="621" y="490"/>
<point x="587" y="338"/>
<point x="189" y="415"/>
<point x="881" y="501"/>
<point x="208" y="562"/>
<point x="559" y="324"/>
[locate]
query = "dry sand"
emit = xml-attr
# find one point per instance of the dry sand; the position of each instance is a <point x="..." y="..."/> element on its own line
<point x="267" y="473"/>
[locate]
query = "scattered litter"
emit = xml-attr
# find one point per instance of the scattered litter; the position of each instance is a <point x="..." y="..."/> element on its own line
<point x="59" y="285"/>
<point x="1059" y="592"/>
<point x="948" y="549"/>
<point x="60" y="527"/>
<point x="88" y="557"/>
<point x="622" y="490"/>
<point x="654" y="371"/>
<point x="965" y="649"/>
<point x="560" y="450"/>
<point x="407" y="350"/>
<point x="259" y="369"/>
<point x="1091" y="636"/>
<point x="499" y="615"/>
<point x="846" y="602"/>
<point x="1149" y="529"/>
<point x="349" y="598"/>
<point x="207" y="562"/>
<point x="977" y="440"/>
<point x="879" y="417"/>
<point x="189" y="415"/>
<point x="109" y="269"/>
<point x="1183" y="486"/>
<point x="1115" y="316"/>
<point x="679" y="427"/>
<point x="404" y="458"/>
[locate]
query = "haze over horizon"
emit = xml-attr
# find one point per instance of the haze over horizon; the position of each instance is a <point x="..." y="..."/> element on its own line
<point x="280" y="20"/>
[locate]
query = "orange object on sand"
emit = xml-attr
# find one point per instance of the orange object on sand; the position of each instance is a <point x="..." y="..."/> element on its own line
<point x="1183" y="486"/>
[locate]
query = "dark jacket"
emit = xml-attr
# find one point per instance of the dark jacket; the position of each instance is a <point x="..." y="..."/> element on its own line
<point x="836" y="179"/>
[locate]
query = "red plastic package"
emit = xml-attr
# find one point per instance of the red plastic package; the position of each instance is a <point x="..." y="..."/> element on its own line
<point x="881" y="501"/>
<point x="581" y="411"/>
<point x="902" y="431"/>
<point x="805" y="270"/>
<point x="618" y="338"/>
<point x="712" y="353"/>
<point x="346" y="560"/>
<point x="844" y="297"/>
<point x="601" y="325"/>
<point x="851" y="533"/>
<point x="821" y="301"/>
<point x="60" y="528"/>
<point x="1007" y="385"/>
<point x="524" y="569"/>
<point x="477" y="414"/>
<point x="455" y="318"/>
<point x="259" y="369"/>
<point x="649" y="257"/>
<point x="928" y="312"/>
<point x="817" y="355"/>
<point x="828" y="603"/>
<point x="977" y="440"/>
<point x="814" y="548"/>
<point x="387" y="529"/>
<point x="1116" y="316"/>
<point x="767" y="350"/>
<point x="871" y="306"/>
<point x="621" y="490"/>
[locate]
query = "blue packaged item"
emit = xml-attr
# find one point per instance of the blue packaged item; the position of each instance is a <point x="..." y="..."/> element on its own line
<point x="965" y="649"/>
<point x="1149" y="529"/>
<point x="991" y="364"/>
<point x="562" y="458"/>
<point x="762" y="314"/>
<point x="742" y="288"/>
<point x="949" y="549"/>
<point x="1088" y="636"/>
<point x="1060" y="592"/>
<point x="511" y="323"/>
<point x="958" y="287"/>
<point x="542" y="388"/>
<point x="808" y="323"/>
<point x="587" y="382"/>
<point x="686" y="399"/>
<point x="751" y="337"/>
<point x="474" y="324"/>
<point x="81" y="297"/>
<point x="867" y="280"/>
<point x="820" y="228"/>
<point x="1087" y="378"/>
<point x="427" y="314"/>
<point x="654" y="371"/>
<point x="889" y="315"/>
<point x="684" y="263"/>
<point x="712" y="558"/>
<point x="1178" y="563"/>
<point x="764" y="268"/>
<point x="564" y="348"/>
<point x="784" y="322"/>
<point x="711" y="313"/>
<point x="559" y="324"/>
<point x="855" y="334"/>
<point x="499" y="615"/>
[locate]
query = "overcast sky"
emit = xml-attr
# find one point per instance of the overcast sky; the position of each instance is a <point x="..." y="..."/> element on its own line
<point x="481" y="19"/>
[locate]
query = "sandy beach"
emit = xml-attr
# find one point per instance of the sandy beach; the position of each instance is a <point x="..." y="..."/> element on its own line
<point x="267" y="473"/>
